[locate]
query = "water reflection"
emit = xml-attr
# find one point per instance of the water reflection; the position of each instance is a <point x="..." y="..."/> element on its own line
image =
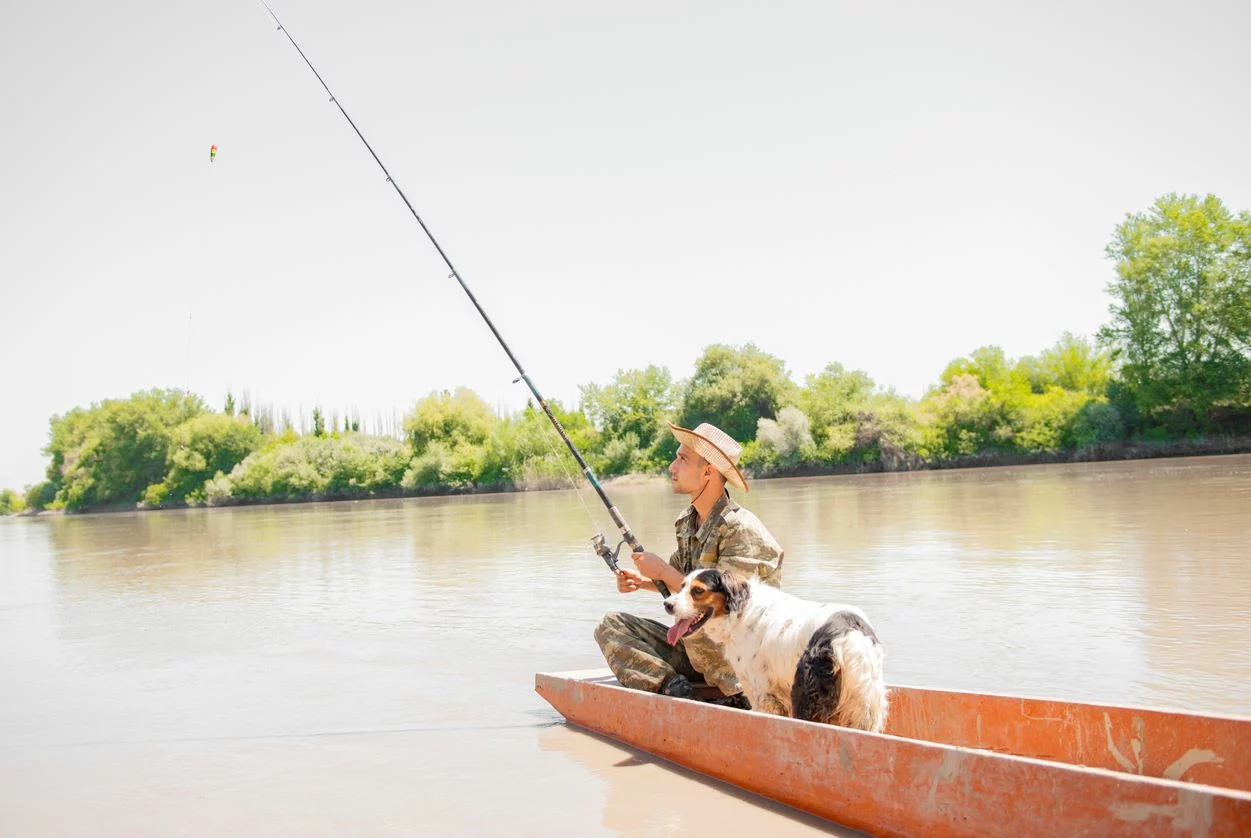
<point x="639" y="800"/>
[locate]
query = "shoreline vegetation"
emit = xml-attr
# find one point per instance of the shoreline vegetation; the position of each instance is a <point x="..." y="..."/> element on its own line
<point x="1112" y="452"/>
<point x="1168" y="375"/>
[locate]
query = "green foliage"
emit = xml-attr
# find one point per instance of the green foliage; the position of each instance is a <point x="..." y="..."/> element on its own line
<point x="218" y="490"/>
<point x="40" y="496"/>
<point x="312" y="467"/>
<point x="460" y="444"/>
<point x="785" y="441"/>
<point x="631" y="411"/>
<point x="1073" y="363"/>
<point x="992" y="370"/>
<point x="620" y="456"/>
<point x="1046" y="420"/>
<point x="888" y="431"/>
<point x="844" y="422"/>
<point x="990" y="404"/>
<point x="430" y="469"/>
<point x="449" y="434"/>
<point x="1097" y="423"/>
<point x="1181" y="315"/>
<point x="203" y="447"/>
<point x="528" y="453"/>
<point x="454" y="418"/>
<point x="156" y="495"/>
<point x="855" y="425"/>
<point x="734" y="388"/>
<point x="832" y="400"/>
<point x="965" y="418"/>
<point x="11" y="502"/>
<point x="112" y="452"/>
<point x="319" y="423"/>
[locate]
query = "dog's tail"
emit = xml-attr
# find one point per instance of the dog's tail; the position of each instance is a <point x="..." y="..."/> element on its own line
<point x="862" y="699"/>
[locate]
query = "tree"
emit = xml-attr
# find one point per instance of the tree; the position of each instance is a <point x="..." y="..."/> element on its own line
<point x="629" y="412"/>
<point x="833" y="398"/>
<point x="11" y="502"/>
<point x="787" y="440"/>
<point x="993" y="370"/>
<point x="1181" y="310"/>
<point x="204" y="446"/>
<point x="112" y="452"/>
<point x="452" y="418"/>
<point x="734" y="388"/>
<point x="1047" y="420"/>
<point x="1073" y="363"/>
<point x="965" y="418"/>
<point x="40" y="496"/>
<point x="525" y="451"/>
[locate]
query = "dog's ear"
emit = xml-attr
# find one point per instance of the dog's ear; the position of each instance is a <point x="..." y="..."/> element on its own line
<point x="737" y="590"/>
<point x="729" y="584"/>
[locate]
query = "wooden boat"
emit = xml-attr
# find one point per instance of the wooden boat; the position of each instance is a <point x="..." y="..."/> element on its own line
<point x="951" y="763"/>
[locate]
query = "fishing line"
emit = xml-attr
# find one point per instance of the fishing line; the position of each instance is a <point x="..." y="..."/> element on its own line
<point x="598" y="542"/>
<point x="574" y="483"/>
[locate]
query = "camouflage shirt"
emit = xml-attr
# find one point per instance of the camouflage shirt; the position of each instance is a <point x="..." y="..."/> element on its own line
<point x="731" y="538"/>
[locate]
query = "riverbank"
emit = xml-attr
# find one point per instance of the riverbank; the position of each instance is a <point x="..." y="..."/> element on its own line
<point x="1206" y="447"/>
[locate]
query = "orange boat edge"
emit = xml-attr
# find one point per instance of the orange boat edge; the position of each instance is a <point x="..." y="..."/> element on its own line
<point x="950" y="763"/>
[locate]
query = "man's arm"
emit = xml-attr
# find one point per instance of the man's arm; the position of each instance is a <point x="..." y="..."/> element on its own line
<point x="654" y="567"/>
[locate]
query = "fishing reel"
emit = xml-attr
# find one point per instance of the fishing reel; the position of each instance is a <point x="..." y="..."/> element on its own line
<point x="600" y="545"/>
<point x="609" y="555"/>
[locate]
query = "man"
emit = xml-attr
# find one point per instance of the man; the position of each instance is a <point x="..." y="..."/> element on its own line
<point x="714" y="531"/>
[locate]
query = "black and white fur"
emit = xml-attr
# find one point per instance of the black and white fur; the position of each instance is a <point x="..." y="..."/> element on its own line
<point x="793" y="657"/>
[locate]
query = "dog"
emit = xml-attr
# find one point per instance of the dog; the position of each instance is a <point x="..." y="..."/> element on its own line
<point x="793" y="657"/>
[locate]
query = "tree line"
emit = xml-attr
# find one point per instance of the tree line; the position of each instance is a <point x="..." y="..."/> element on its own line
<point x="1173" y="363"/>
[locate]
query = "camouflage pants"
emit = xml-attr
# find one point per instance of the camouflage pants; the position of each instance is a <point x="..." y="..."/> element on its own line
<point x="639" y="654"/>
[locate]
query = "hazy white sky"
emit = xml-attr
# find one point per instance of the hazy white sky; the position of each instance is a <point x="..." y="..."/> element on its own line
<point x="884" y="185"/>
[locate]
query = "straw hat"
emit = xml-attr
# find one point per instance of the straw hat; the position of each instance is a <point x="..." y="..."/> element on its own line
<point x="715" y="446"/>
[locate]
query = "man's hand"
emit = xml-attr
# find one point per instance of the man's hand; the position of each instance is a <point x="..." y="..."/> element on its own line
<point x="650" y="565"/>
<point x="628" y="581"/>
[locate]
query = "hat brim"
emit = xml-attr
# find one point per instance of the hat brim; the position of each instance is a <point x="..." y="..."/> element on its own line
<point x="708" y="449"/>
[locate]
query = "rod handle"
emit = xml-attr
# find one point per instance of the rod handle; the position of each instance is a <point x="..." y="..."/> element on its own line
<point x="660" y="586"/>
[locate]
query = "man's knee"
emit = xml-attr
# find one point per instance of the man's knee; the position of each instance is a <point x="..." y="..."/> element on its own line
<point x="611" y="623"/>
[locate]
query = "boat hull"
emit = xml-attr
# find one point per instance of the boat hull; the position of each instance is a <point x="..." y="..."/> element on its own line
<point x="891" y="785"/>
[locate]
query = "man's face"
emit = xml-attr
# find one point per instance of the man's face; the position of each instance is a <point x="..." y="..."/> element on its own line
<point x="690" y="472"/>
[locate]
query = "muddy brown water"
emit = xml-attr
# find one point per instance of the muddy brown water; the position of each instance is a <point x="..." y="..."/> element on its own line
<point x="367" y="668"/>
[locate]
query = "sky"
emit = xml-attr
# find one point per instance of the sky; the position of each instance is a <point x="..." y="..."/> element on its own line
<point x="886" y="186"/>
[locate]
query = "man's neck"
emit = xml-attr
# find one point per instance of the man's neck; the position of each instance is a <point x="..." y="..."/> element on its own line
<point x="705" y="501"/>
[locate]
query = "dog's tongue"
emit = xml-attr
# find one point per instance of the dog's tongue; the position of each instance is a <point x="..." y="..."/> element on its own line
<point x="678" y="630"/>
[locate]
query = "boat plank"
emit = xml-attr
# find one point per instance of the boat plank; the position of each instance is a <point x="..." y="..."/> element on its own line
<point x="1173" y="745"/>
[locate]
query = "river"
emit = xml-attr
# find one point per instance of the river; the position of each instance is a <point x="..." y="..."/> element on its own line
<point x="367" y="668"/>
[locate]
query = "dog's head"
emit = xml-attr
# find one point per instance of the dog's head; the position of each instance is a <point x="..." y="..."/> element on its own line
<point x="705" y="595"/>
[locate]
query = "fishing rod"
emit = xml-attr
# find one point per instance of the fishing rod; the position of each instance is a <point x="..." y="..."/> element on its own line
<point x="598" y="542"/>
